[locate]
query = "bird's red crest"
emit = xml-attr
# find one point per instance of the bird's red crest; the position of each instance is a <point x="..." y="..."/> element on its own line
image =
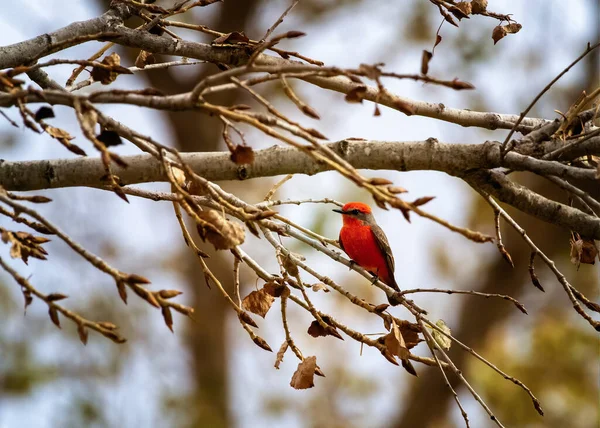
<point x="363" y="208"/>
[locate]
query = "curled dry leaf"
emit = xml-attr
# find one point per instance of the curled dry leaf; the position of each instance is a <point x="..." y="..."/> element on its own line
<point x="220" y="232"/>
<point x="465" y="7"/>
<point x="107" y="75"/>
<point x="281" y="353"/>
<point x="317" y="330"/>
<point x="425" y="58"/>
<point x="24" y="245"/>
<point x="394" y="342"/>
<point x="303" y="377"/>
<point x="501" y="31"/>
<point x="109" y="138"/>
<point x="44" y="113"/>
<point x="479" y="6"/>
<point x="64" y="138"/>
<point x="242" y="155"/>
<point x="320" y="286"/>
<point x="144" y="58"/>
<point x="231" y="39"/>
<point x="276" y="289"/>
<point x="258" y="302"/>
<point x="443" y="341"/>
<point x="583" y="251"/>
<point x="356" y="95"/>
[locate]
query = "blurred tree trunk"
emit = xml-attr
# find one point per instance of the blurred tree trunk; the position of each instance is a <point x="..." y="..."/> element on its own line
<point x="196" y="132"/>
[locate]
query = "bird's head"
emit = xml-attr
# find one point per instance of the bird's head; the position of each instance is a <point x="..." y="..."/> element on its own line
<point x="354" y="212"/>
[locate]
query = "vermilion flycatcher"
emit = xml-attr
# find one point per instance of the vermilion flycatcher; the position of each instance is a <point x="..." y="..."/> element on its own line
<point x="365" y="243"/>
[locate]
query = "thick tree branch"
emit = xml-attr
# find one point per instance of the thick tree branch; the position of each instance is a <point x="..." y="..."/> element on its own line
<point x="112" y="23"/>
<point x="471" y="162"/>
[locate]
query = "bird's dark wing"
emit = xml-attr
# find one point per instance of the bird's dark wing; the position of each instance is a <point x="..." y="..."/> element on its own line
<point x="384" y="246"/>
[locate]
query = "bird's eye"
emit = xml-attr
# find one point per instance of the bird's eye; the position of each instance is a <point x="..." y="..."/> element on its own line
<point x="355" y="212"/>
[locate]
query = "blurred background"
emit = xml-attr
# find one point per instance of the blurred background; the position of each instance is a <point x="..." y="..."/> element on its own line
<point x="209" y="374"/>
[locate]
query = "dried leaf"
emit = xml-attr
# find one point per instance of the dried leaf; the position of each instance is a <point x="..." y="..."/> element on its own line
<point x="425" y="58"/>
<point x="498" y="33"/>
<point x="479" y="6"/>
<point x="258" y="302"/>
<point x="423" y="200"/>
<point x="465" y="7"/>
<point x="53" y="312"/>
<point x="259" y="341"/>
<point x="281" y="353"/>
<point x="320" y="286"/>
<point x="242" y="155"/>
<point x="246" y="318"/>
<point x="290" y="265"/>
<point x="169" y="294"/>
<point x="220" y="232"/>
<point x="83" y="333"/>
<point x="53" y="297"/>
<point x="583" y="251"/>
<point x="274" y="288"/>
<point x="44" y="113"/>
<point x="317" y="330"/>
<point x="381" y="308"/>
<point x="443" y="341"/>
<point x="109" y="138"/>
<point x="168" y="317"/>
<point x="438" y="40"/>
<point x="144" y="58"/>
<point x="231" y="39"/>
<point x="356" y="95"/>
<point x="107" y="75"/>
<point x="303" y="377"/>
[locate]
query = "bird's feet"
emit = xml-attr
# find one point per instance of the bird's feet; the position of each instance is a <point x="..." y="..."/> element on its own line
<point x="375" y="278"/>
<point x="352" y="264"/>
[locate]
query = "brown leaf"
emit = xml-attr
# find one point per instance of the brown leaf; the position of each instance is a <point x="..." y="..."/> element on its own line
<point x="465" y="7"/>
<point x="109" y="138"/>
<point x="53" y="312"/>
<point x="356" y="95"/>
<point x="258" y="302"/>
<point x="220" y="232"/>
<point x="317" y="330"/>
<point x="53" y="297"/>
<point x="107" y="75"/>
<point x="168" y="317"/>
<point x="259" y="341"/>
<point x="583" y="251"/>
<point x="231" y="39"/>
<point x="423" y="200"/>
<point x="246" y="318"/>
<point x="498" y="33"/>
<point x="479" y="6"/>
<point x="122" y="291"/>
<point x="290" y="265"/>
<point x="44" y="113"/>
<point x="381" y="308"/>
<point x="377" y="181"/>
<point x="242" y="155"/>
<point x="425" y="58"/>
<point x="396" y="189"/>
<point x="169" y="294"/>
<point x="274" y="288"/>
<point x="460" y="85"/>
<point x="144" y="58"/>
<point x="320" y="286"/>
<point x="83" y="333"/>
<point x="281" y="353"/>
<point x="303" y="377"/>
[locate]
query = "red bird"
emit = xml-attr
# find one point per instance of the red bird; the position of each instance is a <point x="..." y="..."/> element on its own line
<point x="365" y="243"/>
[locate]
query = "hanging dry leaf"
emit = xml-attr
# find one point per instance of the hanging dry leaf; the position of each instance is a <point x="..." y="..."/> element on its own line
<point x="320" y="286"/>
<point x="144" y="58"/>
<point x="443" y="341"/>
<point x="425" y="58"/>
<point x="231" y="39"/>
<point x="356" y="95"/>
<point x="583" y="251"/>
<point x="281" y="353"/>
<point x="304" y="375"/>
<point x="258" y="302"/>
<point x="242" y="155"/>
<point x="108" y="74"/>
<point x="479" y="6"/>
<point x="219" y="231"/>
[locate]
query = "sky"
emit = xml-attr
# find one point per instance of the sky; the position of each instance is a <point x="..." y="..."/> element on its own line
<point x="503" y="81"/>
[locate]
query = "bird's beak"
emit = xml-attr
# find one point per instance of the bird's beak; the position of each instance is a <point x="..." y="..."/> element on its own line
<point x="338" y="211"/>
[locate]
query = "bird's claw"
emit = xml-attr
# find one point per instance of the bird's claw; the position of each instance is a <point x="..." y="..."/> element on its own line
<point x="352" y="264"/>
